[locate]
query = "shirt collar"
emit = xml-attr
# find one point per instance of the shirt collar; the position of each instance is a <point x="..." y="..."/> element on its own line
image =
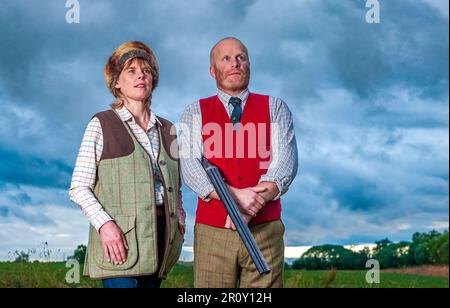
<point x="126" y="116"/>
<point x="225" y="98"/>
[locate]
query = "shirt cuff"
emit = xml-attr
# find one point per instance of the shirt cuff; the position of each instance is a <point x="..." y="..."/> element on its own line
<point x="269" y="178"/>
<point x="204" y="192"/>
<point x="100" y="219"/>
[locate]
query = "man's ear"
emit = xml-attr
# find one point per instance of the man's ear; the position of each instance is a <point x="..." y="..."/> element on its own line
<point x="211" y="71"/>
<point x="116" y="85"/>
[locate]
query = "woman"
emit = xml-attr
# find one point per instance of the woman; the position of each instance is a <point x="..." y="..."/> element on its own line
<point x="126" y="179"/>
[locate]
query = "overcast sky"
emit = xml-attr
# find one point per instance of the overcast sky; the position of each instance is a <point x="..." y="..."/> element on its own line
<point x="370" y="105"/>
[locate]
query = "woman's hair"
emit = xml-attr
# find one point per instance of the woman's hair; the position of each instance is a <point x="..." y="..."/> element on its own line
<point x="121" y="58"/>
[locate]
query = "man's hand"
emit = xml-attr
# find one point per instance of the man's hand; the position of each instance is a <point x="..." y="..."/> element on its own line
<point x="113" y="242"/>
<point x="181" y="228"/>
<point x="230" y="225"/>
<point x="249" y="200"/>
<point x="270" y="192"/>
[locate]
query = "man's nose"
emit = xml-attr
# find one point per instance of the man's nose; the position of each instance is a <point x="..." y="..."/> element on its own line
<point x="235" y="63"/>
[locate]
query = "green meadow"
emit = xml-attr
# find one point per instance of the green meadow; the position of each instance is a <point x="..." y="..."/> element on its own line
<point x="53" y="275"/>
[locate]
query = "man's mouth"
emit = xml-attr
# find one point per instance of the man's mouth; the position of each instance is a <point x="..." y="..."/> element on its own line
<point x="140" y="85"/>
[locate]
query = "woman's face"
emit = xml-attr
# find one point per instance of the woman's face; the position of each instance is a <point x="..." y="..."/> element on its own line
<point x="135" y="80"/>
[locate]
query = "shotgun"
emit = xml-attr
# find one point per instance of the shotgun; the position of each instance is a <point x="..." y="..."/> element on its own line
<point x="235" y="215"/>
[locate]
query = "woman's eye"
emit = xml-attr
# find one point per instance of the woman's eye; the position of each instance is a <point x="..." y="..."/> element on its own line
<point x="130" y="71"/>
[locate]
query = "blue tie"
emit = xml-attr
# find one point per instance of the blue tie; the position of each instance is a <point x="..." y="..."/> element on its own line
<point x="237" y="110"/>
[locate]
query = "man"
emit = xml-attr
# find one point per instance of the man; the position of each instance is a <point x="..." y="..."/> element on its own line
<point x="251" y="139"/>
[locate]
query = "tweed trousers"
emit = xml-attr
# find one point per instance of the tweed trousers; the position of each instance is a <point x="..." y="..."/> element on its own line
<point x="222" y="261"/>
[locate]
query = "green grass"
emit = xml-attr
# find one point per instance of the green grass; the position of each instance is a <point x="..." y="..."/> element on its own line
<point x="357" y="279"/>
<point x="49" y="275"/>
<point x="39" y="275"/>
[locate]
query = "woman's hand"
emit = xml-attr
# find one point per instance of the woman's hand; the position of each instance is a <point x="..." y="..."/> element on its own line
<point x="113" y="242"/>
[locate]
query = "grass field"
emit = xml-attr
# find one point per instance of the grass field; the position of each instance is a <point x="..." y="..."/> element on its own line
<point x="52" y="275"/>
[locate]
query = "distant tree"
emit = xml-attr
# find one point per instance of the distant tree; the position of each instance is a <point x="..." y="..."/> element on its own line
<point x="394" y="255"/>
<point x="315" y="263"/>
<point x="420" y="254"/>
<point x="79" y="254"/>
<point x="425" y="248"/>
<point x="430" y="248"/>
<point x="438" y="247"/>
<point x="298" y="264"/>
<point x="330" y="256"/>
<point x="381" y="244"/>
<point x="360" y="258"/>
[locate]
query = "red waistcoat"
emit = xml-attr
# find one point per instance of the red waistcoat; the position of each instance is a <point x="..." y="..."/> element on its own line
<point x="242" y="156"/>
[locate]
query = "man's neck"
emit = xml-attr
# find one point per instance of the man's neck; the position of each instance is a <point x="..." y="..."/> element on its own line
<point x="233" y="93"/>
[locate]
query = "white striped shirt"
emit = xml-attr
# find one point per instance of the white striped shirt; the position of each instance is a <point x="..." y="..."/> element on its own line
<point x="85" y="172"/>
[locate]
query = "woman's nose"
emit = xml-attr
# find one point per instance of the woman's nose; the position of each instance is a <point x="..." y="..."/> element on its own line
<point x="140" y="75"/>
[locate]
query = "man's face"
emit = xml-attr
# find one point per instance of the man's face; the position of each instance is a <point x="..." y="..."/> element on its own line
<point x="230" y="67"/>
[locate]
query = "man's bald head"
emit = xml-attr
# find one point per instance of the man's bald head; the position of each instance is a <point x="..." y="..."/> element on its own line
<point x="230" y="66"/>
<point x="213" y="50"/>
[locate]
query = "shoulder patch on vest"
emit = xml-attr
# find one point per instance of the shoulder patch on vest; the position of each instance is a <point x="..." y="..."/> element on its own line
<point x="117" y="141"/>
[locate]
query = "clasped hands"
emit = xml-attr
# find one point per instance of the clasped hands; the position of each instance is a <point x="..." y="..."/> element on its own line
<point x="249" y="200"/>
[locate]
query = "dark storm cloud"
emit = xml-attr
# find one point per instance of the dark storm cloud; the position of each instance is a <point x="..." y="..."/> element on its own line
<point x="29" y="170"/>
<point x="370" y="102"/>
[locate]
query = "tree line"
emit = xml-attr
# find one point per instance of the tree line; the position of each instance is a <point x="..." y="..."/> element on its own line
<point x="425" y="248"/>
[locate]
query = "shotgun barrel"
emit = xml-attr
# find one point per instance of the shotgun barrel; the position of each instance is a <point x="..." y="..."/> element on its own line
<point x="235" y="215"/>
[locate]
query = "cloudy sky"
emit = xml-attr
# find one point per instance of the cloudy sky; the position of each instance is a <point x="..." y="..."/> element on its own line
<point x="370" y="105"/>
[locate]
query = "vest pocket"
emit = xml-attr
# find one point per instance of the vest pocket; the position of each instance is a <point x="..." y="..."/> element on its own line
<point x="128" y="226"/>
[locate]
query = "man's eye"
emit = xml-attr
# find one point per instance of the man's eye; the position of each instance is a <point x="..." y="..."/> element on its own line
<point x="226" y="59"/>
<point x="147" y="71"/>
<point x="130" y="71"/>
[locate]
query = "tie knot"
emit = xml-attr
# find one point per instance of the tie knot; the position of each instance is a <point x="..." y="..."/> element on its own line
<point x="235" y="101"/>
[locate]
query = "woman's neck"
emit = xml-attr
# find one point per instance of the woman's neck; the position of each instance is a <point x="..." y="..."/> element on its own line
<point x="139" y="110"/>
